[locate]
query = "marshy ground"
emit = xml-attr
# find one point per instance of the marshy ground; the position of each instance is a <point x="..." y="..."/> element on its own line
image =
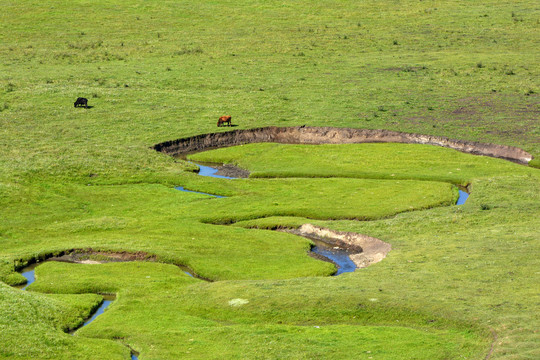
<point x="191" y="232"/>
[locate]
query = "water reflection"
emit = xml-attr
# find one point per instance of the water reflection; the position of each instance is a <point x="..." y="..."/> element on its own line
<point x="463" y="196"/>
<point x="339" y="256"/>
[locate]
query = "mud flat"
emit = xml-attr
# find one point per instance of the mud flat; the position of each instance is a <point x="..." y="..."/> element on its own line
<point x="332" y="135"/>
<point x="91" y="256"/>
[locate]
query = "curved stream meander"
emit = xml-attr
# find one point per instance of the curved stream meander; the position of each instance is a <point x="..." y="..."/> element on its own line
<point x="338" y="255"/>
<point x="322" y="250"/>
<point x="29" y="272"/>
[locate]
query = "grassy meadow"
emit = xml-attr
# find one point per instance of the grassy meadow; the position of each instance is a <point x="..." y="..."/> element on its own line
<point x="461" y="282"/>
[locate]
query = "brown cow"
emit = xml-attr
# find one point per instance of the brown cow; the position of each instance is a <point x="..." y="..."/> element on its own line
<point x="224" y="119"/>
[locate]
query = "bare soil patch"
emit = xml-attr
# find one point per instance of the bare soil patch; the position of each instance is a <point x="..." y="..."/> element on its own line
<point x="89" y="256"/>
<point x="365" y="250"/>
<point x="231" y="171"/>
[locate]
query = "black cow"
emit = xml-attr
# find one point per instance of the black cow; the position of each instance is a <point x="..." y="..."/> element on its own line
<point x="81" y="102"/>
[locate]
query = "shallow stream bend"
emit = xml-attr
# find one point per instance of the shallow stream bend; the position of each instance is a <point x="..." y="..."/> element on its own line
<point x="335" y="254"/>
<point x="29" y="273"/>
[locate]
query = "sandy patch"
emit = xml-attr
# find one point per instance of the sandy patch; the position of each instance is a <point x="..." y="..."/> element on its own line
<point x="365" y="250"/>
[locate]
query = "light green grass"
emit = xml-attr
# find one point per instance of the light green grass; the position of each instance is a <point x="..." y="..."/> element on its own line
<point x="177" y="225"/>
<point x="156" y="71"/>
<point x="169" y="225"/>
<point x="33" y="326"/>
<point x="197" y="320"/>
<point x="373" y="161"/>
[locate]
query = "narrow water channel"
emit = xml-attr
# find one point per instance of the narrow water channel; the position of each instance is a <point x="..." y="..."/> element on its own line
<point x="206" y="171"/>
<point x="181" y="188"/>
<point x="338" y="256"/>
<point x="29" y="273"/>
<point x="463" y="196"/>
<point x="107" y="300"/>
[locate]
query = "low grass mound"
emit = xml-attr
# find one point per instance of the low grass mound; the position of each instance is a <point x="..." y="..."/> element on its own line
<point x="34" y="326"/>
<point x="230" y="319"/>
<point x="373" y="161"/>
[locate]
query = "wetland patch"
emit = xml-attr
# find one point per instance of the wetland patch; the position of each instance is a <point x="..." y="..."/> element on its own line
<point x="345" y="250"/>
<point x="325" y="250"/>
<point x="29" y="273"/>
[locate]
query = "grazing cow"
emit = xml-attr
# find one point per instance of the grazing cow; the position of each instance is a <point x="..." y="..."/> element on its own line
<point x="81" y="102"/>
<point x="224" y="119"/>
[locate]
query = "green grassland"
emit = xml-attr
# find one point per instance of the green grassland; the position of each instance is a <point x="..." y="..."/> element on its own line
<point x="422" y="299"/>
<point x="373" y="161"/>
<point x="160" y="70"/>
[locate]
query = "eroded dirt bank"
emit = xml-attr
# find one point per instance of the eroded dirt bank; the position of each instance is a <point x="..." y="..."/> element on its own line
<point x="91" y="256"/>
<point x="331" y="135"/>
<point x="365" y="250"/>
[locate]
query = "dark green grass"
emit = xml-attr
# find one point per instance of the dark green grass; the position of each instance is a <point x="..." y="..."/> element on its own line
<point x="187" y="68"/>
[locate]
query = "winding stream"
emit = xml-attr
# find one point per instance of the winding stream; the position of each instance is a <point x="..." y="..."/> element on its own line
<point x="29" y="273"/>
<point x="107" y="300"/>
<point x="338" y="256"/>
<point x="181" y="188"/>
<point x="210" y="171"/>
<point x="463" y="196"/>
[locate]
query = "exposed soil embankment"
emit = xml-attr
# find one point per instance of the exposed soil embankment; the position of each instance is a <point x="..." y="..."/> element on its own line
<point x="101" y="257"/>
<point x="331" y="135"/>
<point x="91" y="256"/>
<point x="365" y="250"/>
